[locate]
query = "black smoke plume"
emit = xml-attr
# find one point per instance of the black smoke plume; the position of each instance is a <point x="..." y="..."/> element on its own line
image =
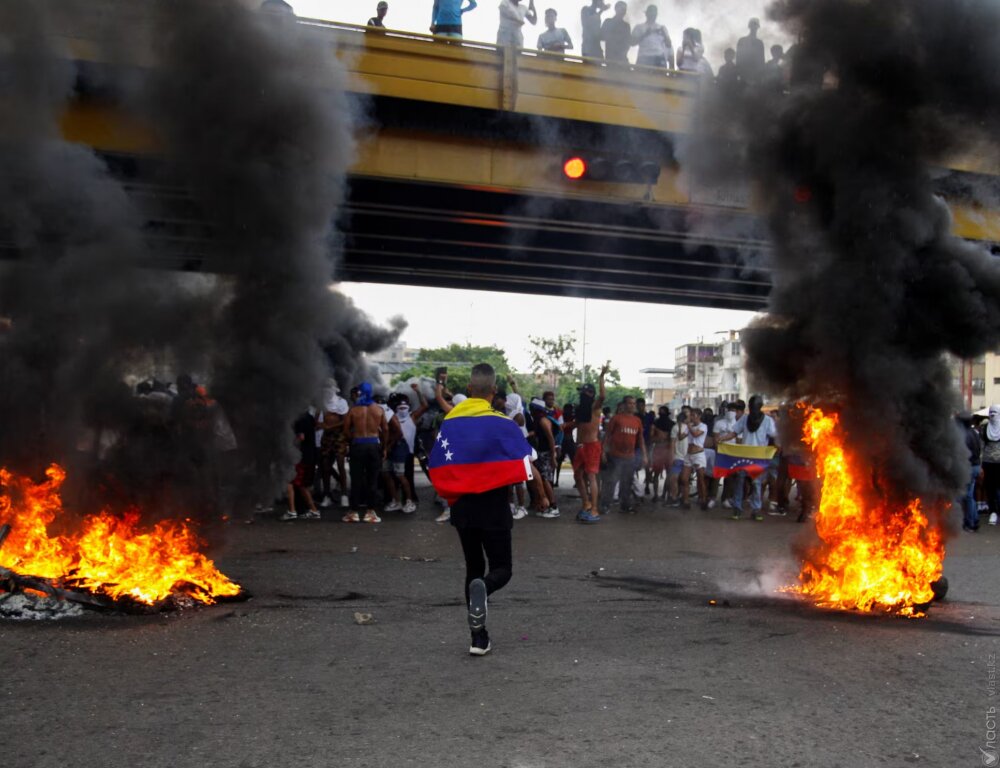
<point x="870" y="288"/>
<point x="253" y="125"/>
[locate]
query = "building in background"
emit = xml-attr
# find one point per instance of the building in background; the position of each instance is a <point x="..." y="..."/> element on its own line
<point x="710" y="373"/>
<point x="698" y="374"/>
<point x="659" y="387"/>
<point x="394" y="360"/>
<point x="734" y="380"/>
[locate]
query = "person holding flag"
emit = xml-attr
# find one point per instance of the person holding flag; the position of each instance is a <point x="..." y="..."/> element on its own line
<point x="751" y="458"/>
<point x="478" y="454"/>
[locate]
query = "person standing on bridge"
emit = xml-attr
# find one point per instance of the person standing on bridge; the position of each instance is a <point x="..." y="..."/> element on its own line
<point x="446" y="17"/>
<point x="590" y="20"/>
<point x="554" y="39"/>
<point x="615" y="32"/>
<point x="479" y="453"/>
<point x="378" y="20"/>
<point x="512" y="18"/>
<point x="655" y="48"/>
<point x="750" y="55"/>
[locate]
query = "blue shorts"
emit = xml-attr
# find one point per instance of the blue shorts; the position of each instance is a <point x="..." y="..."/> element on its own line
<point x="677" y="467"/>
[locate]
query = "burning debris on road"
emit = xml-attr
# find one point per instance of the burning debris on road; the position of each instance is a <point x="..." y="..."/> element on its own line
<point x="870" y="287"/>
<point x="100" y="560"/>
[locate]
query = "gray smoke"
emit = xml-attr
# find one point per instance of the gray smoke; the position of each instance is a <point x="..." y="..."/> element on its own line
<point x="870" y="286"/>
<point x="255" y="126"/>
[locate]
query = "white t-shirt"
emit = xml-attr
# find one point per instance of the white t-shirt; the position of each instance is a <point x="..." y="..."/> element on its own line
<point x="657" y="43"/>
<point x="698" y="440"/>
<point x="727" y="424"/>
<point x="511" y="20"/>
<point x="682" y="442"/>
<point x="760" y="435"/>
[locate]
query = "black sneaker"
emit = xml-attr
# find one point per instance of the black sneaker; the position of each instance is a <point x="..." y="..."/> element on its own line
<point x="477" y="605"/>
<point x="480" y="645"/>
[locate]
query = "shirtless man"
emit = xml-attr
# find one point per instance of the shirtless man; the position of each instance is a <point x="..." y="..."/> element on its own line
<point x="587" y="462"/>
<point x="365" y="426"/>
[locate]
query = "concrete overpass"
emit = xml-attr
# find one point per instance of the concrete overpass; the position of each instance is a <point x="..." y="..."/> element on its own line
<point x="457" y="181"/>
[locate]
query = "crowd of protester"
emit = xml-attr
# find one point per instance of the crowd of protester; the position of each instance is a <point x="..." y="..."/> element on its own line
<point x="361" y="452"/>
<point x="609" y="40"/>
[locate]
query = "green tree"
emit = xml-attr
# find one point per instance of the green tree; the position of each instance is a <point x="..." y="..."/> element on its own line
<point x="554" y="362"/>
<point x="459" y="359"/>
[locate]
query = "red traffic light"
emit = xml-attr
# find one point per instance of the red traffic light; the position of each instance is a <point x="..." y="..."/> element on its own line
<point x="575" y="168"/>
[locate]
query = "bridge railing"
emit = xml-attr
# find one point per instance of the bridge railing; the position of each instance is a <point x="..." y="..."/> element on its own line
<point x="411" y="65"/>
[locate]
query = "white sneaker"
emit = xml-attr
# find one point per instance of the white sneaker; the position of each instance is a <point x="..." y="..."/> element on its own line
<point x="549" y="514"/>
<point x="993" y="518"/>
<point x="727" y="504"/>
<point x="312" y="514"/>
<point x="344" y="501"/>
<point x="711" y="503"/>
<point x="393" y="506"/>
<point x="444" y="517"/>
<point x="519" y="513"/>
<point x="289" y="515"/>
<point x="409" y="508"/>
<point x="327" y="502"/>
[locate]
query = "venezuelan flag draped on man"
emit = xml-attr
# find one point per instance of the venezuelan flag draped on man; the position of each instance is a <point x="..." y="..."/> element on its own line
<point x="479" y="453"/>
<point x="477" y="449"/>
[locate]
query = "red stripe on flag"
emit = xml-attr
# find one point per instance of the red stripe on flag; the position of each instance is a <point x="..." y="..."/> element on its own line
<point x="454" y="480"/>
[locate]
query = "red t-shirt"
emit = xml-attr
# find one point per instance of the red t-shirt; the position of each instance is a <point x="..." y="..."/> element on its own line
<point x="622" y="437"/>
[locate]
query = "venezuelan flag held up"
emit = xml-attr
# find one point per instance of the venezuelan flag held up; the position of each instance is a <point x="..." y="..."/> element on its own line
<point x="752" y="459"/>
<point x="477" y="449"/>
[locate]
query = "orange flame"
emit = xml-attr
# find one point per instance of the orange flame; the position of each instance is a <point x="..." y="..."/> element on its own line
<point x="107" y="554"/>
<point x="871" y="556"/>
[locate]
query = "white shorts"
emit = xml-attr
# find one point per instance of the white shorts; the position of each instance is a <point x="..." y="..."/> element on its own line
<point x="696" y="460"/>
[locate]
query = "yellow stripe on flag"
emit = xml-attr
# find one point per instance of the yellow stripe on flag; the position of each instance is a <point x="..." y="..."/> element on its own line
<point x="473" y="406"/>
<point x="748" y="451"/>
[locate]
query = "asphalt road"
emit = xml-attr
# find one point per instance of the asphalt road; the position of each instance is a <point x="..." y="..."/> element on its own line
<point x="607" y="652"/>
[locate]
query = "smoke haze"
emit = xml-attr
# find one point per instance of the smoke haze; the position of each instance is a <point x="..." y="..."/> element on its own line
<point x="256" y="129"/>
<point x="870" y="287"/>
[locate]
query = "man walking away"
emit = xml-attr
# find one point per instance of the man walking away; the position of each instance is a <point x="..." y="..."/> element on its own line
<point x="378" y="20"/>
<point x="655" y="48"/>
<point x="365" y="426"/>
<point x="590" y="20"/>
<point x="970" y="521"/>
<point x="478" y="454"/>
<point x="446" y="17"/>
<point x="587" y="462"/>
<point x="622" y="442"/>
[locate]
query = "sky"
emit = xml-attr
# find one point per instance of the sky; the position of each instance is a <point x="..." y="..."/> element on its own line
<point x="631" y="335"/>
<point x="722" y="22"/>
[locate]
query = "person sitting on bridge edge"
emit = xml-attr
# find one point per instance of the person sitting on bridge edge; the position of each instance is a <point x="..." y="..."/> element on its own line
<point x="616" y="32"/>
<point x="479" y="453"/>
<point x="590" y="21"/>
<point x="554" y="39"/>
<point x="446" y="17"/>
<point x="655" y="48"/>
<point x="512" y="18"/>
<point x="378" y="20"/>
